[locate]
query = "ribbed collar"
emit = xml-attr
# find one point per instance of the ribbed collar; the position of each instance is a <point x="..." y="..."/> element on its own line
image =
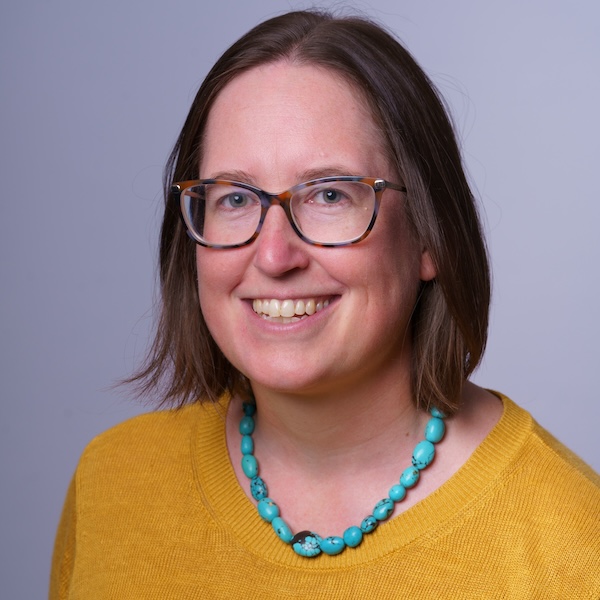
<point x="230" y="507"/>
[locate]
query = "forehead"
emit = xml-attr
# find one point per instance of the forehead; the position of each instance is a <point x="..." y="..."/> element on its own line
<point x="286" y="78"/>
<point x="285" y="112"/>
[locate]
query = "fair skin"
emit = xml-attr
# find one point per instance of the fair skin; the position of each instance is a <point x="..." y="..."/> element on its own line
<point x="333" y="388"/>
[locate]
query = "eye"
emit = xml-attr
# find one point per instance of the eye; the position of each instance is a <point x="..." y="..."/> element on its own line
<point x="229" y="199"/>
<point x="331" y="196"/>
<point x="328" y="196"/>
<point x="235" y="200"/>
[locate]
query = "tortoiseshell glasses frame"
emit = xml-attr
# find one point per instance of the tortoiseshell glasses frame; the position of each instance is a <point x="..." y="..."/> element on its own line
<point x="350" y="209"/>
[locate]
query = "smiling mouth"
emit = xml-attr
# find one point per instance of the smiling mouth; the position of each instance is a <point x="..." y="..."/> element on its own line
<point x="288" y="311"/>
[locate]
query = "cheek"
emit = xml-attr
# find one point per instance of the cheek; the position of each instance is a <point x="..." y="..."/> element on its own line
<point x="212" y="282"/>
<point x="394" y="270"/>
<point x="204" y="274"/>
<point x="399" y="252"/>
<point x="219" y="272"/>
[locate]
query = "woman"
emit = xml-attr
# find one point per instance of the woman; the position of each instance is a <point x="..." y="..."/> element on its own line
<point x="338" y="322"/>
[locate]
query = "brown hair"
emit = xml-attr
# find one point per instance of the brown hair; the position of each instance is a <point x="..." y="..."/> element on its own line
<point x="449" y="326"/>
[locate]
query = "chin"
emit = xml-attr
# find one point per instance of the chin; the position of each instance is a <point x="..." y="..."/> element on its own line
<point x="290" y="380"/>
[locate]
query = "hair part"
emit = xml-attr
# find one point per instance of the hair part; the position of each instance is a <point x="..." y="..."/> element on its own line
<point x="449" y="325"/>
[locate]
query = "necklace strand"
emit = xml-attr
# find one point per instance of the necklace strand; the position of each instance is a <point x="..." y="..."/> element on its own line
<point x="307" y="543"/>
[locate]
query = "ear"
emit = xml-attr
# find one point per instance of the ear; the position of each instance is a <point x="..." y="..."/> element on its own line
<point x="427" y="270"/>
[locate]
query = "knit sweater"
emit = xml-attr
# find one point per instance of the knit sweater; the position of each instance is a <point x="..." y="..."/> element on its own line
<point x="155" y="511"/>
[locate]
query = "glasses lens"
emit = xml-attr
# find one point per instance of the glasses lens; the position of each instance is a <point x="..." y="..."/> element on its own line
<point x="221" y="214"/>
<point x="334" y="211"/>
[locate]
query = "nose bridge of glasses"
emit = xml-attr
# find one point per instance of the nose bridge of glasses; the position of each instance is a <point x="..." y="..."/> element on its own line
<point x="281" y="199"/>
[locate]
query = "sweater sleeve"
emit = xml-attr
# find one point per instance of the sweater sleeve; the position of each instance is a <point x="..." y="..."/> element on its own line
<point x="64" y="549"/>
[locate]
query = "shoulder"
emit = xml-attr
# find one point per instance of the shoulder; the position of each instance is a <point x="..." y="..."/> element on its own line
<point x="526" y="470"/>
<point x="150" y="432"/>
<point x="144" y="448"/>
<point x="535" y="511"/>
<point x="544" y="456"/>
<point x="544" y="485"/>
<point x="534" y="484"/>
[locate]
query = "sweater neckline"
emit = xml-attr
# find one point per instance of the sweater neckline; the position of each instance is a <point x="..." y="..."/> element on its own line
<point x="432" y="516"/>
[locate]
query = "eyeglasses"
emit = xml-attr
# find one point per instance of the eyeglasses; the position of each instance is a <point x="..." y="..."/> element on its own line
<point x="330" y="211"/>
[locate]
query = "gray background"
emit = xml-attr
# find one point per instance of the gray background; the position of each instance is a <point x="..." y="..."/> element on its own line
<point x="93" y="96"/>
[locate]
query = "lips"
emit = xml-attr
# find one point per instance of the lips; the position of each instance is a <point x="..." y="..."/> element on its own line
<point x="288" y="310"/>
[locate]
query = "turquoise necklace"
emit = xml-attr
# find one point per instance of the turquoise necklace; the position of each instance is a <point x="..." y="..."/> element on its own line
<point x="308" y="543"/>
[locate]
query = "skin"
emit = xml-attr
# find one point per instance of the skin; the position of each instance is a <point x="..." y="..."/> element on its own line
<point x="333" y="389"/>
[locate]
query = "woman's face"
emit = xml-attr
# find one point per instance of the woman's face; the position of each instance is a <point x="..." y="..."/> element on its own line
<point x="274" y="127"/>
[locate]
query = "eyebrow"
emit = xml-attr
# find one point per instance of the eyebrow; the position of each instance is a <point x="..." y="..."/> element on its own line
<point x="328" y="171"/>
<point x="301" y="177"/>
<point x="240" y="176"/>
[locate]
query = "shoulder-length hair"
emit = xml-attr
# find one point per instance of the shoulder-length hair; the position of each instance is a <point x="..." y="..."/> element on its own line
<point x="449" y="325"/>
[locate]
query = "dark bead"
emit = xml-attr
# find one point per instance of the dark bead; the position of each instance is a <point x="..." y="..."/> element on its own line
<point x="306" y="543"/>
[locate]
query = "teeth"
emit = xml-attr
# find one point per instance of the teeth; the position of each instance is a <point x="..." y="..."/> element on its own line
<point x="274" y="308"/>
<point x="287" y="310"/>
<point x="300" y="307"/>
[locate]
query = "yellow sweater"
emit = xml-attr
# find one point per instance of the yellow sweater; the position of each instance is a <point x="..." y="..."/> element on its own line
<point x="155" y="511"/>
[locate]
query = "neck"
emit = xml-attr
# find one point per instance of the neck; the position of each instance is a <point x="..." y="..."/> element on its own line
<point x="320" y="446"/>
<point x="322" y="432"/>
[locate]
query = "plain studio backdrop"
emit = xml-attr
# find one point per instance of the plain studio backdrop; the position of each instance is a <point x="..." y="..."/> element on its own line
<point x="93" y="97"/>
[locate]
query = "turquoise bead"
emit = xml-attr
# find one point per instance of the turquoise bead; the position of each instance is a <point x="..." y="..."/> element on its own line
<point x="282" y="530"/>
<point x="353" y="536"/>
<point x="306" y="543"/>
<point x="434" y="412"/>
<point x="267" y="509"/>
<point x="383" y="509"/>
<point x="332" y="545"/>
<point x="247" y="445"/>
<point x="250" y="466"/>
<point x="423" y="454"/>
<point x="434" y="430"/>
<point x="397" y="492"/>
<point x="409" y="477"/>
<point x="246" y="425"/>
<point x="258" y="488"/>
<point x="368" y="524"/>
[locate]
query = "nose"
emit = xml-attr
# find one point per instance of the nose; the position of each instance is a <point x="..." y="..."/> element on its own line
<point x="278" y="249"/>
